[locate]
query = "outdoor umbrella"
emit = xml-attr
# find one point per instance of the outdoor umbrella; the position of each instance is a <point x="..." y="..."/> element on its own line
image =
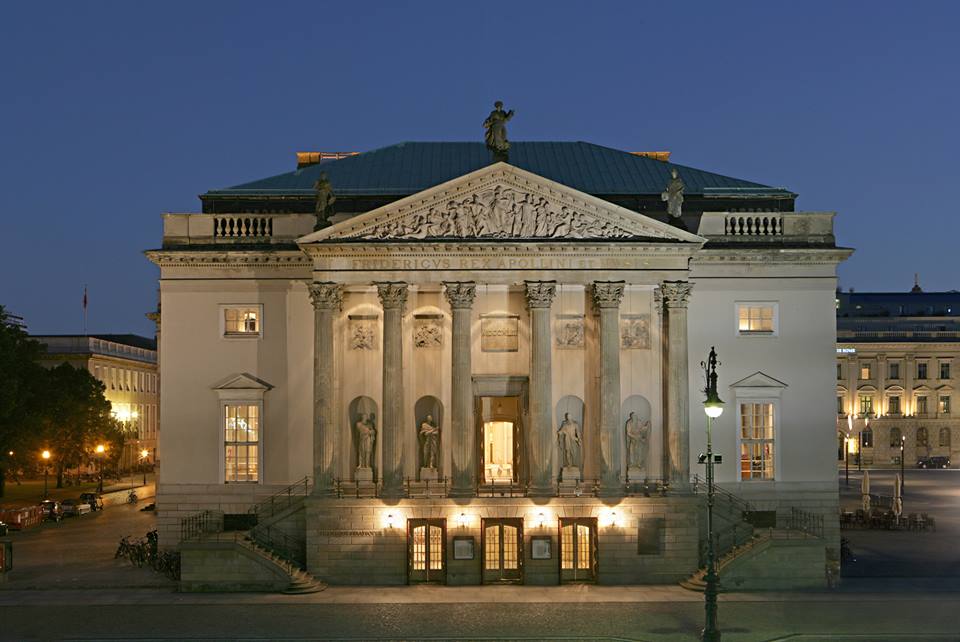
<point x="865" y="491"/>
<point x="897" y="497"/>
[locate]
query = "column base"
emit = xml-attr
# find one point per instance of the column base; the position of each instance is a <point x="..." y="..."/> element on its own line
<point x="542" y="491"/>
<point x="462" y="492"/>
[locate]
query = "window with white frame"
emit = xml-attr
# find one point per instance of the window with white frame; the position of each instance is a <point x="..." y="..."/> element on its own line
<point x="242" y="320"/>
<point x="241" y="442"/>
<point x="757" y="441"/>
<point x="757" y="318"/>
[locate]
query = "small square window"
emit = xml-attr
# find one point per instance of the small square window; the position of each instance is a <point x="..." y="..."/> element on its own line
<point x="894" y="370"/>
<point x="921" y="371"/>
<point x="242" y="321"/>
<point x="757" y="319"/>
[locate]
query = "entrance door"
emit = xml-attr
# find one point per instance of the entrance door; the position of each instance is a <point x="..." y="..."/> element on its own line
<point x="499" y="441"/>
<point x="502" y="550"/>
<point x="578" y="549"/>
<point x="498" y="452"/>
<point x="426" y="550"/>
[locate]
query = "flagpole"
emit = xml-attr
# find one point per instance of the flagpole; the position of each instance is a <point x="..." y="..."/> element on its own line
<point x="84" y="308"/>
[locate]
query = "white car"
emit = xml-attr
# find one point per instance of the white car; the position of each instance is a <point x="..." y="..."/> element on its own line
<point x="74" y="507"/>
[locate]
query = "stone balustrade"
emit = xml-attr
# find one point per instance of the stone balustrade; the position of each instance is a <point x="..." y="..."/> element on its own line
<point x="204" y="229"/>
<point x="768" y="227"/>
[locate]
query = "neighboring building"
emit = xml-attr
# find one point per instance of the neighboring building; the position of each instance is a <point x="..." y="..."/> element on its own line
<point x="430" y="353"/>
<point x="897" y="360"/>
<point x="126" y="364"/>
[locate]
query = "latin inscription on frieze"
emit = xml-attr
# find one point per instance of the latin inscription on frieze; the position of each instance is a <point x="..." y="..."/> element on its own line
<point x="496" y="263"/>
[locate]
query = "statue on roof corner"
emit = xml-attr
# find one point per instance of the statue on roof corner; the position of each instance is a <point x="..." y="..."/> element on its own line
<point x="325" y="199"/>
<point x="674" y="194"/>
<point x="496" y="136"/>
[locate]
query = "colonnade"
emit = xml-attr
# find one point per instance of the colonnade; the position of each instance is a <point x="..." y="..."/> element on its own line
<point x="607" y="296"/>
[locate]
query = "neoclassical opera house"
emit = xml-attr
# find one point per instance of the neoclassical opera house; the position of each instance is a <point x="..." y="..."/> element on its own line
<point x="425" y="363"/>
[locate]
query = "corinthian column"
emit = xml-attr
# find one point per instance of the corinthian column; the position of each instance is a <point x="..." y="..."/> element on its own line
<point x="392" y="297"/>
<point x="676" y="294"/>
<point x="462" y="431"/>
<point x="326" y="299"/>
<point x="539" y="298"/>
<point x="607" y="296"/>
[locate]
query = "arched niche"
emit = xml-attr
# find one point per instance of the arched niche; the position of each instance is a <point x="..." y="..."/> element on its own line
<point x="635" y="422"/>
<point x="570" y="408"/>
<point x="363" y="409"/>
<point x="428" y="410"/>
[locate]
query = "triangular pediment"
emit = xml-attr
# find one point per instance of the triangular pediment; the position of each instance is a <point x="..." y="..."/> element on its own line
<point x="501" y="201"/>
<point x="242" y="381"/>
<point x="758" y="380"/>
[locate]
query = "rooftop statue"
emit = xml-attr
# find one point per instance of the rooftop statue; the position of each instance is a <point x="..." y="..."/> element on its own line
<point x="325" y="200"/>
<point x="496" y="136"/>
<point x="674" y="194"/>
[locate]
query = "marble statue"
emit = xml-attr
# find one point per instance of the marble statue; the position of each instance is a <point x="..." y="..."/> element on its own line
<point x="429" y="443"/>
<point x="637" y="433"/>
<point x="365" y="433"/>
<point x="569" y="436"/>
<point x="323" y="207"/>
<point x="674" y="194"/>
<point x="496" y="126"/>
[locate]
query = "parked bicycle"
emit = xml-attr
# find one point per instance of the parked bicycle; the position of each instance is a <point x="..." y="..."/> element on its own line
<point x="132" y="497"/>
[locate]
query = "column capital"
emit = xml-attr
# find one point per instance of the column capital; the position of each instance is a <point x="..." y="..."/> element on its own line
<point x="460" y="294"/>
<point x="607" y="294"/>
<point x="676" y="293"/>
<point x="540" y="293"/>
<point x="326" y="295"/>
<point x="392" y="294"/>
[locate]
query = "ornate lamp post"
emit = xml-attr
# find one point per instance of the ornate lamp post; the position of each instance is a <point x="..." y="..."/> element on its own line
<point x="100" y="449"/>
<point x="143" y="464"/>
<point x="45" y="455"/>
<point x="713" y="407"/>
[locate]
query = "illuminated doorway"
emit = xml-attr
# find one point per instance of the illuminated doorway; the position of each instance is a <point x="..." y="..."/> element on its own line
<point x="502" y="544"/>
<point x="426" y="548"/>
<point x="498" y="452"/>
<point x="499" y="441"/>
<point x="578" y="549"/>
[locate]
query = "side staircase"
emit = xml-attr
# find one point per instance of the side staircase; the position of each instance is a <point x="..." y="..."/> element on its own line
<point x="272" y="531"/>
<point x="741" y="532"/>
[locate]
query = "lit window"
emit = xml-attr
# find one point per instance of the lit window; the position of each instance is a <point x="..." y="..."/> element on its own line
<point x="865" y="371"/>
<point x="241" y="442"/>
<point x="756" y="440"/>
<point x="893" y="406"/>
<point x="242" y="321"/>
<point x="756" y="318"/>
<point x="944" y="405"/>
<point x="866" y="405"/>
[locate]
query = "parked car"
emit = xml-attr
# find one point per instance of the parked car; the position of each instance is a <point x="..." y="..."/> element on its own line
<point x="933" y="462"/>
<point x="52" y="510"/>
<point x="96" y="503"/>
<point x="74" y="507"/>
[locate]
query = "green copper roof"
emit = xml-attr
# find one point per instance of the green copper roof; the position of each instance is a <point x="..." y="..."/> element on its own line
<point x="408" y="168"/>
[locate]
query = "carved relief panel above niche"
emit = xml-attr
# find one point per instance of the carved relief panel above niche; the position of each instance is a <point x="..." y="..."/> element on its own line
<point x="362" y="331"/>
<point x="428" y="330"/>
<point x="635" y="331"/>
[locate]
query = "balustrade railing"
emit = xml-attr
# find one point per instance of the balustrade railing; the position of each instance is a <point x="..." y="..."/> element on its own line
<point x="753" y="225"/>
<point x="235" y="227"/>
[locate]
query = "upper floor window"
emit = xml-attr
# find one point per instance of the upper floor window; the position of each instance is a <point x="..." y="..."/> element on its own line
<point x="944" y="369"/>
<point x="757" y="319"/>
<point x="921" y="404"/>
<point x="866" y="405"/>
<point x="893" y="405"/>
<point x="921" y="370"/>
<point x="241" y="442"/>
<point x="242" y="320"/>
<point x="944" y="405"/>
<point x="839" y="372"/>
<point x="840" y="404"/>
<point x="894" y="370"/>
<point x="757" y="440"/>
<point x="865" y="371"/>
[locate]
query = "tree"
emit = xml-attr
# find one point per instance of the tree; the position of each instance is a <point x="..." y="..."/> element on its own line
<point x="21" y="379"/>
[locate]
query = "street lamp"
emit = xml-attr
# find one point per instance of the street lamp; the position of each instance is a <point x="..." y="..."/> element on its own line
<point x="143" y="464"/>
<point x="903" y="443"/>
<point x="45" y="455"/>
<point x="713" y="407"/>
<point x="101" y="449"/>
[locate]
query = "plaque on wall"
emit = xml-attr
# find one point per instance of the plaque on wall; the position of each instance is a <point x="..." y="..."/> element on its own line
<point x="541" y="547"/>
<point x="362" y="330"/>
<point x="650" y="533"/>
<point x="569" y="331"/>
<point x="499" y="333"/>
<point x="427" y="330"/>
<point x="463" y="547"/>
<point x="635" y="331"/>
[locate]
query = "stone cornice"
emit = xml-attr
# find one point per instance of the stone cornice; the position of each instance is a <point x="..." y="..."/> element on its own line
<point x="187" y="258"/>
<point x="804" y="255"/>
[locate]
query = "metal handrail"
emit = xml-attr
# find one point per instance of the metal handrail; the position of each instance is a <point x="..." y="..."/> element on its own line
<point x="806" y="522"/>
<point x="198" y="525"/>
<point x="281" y="499"/>
<point x="281" y="543"/>
<point x="700" y="485"/>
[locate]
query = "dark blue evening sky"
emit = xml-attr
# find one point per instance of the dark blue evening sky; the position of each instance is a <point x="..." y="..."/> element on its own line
<point x="112" y="113"/>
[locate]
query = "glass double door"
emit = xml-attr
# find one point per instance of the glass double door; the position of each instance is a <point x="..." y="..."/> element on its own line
<point x="502" y="544"/>
<point x="426" y="550"/>
<point x="578" y="549"/>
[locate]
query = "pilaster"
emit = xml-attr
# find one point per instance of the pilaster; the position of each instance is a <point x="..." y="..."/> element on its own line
<point x="607" y="296"/>
<point x="460" y="296"/>
<point x="326" y="298"/>
<point x="676" y="295"/>
<point x="540" y="296"/>
<point x="393" y="296"/>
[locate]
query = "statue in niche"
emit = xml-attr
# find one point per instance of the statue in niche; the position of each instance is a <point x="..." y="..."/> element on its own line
<point x="674" y="194"/>
<point x="496" y="135"/>
<point x="637" y="434"/>
<point x="429" y="436"/>
<point x="365" y="434"/>
<point x="569" y="437"/>
<point x="323" y="207"/>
